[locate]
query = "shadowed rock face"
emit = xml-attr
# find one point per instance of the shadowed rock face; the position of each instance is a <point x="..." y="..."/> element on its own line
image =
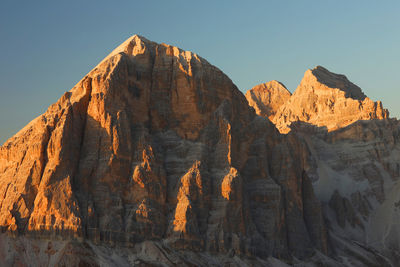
<point x="357" y="179"/>
<point x="157" y="144"/>
<point x="325" y="99"/>
<point x="338" y="81"/>
<point x="354" y="161"/>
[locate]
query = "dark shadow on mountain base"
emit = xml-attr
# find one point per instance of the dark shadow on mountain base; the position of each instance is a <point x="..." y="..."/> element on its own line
<point x="362" y="130"/>
<point x="307" y="128"/>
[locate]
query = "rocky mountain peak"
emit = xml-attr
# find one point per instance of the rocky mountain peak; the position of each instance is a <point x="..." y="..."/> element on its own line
<point x="328" y="80"/>
<point x="157" y="145"/>
<point x="155" y="157"/>
<point x="266" y="98"/>
<point x="327" y="100"/>
<point x="140" y="47"/>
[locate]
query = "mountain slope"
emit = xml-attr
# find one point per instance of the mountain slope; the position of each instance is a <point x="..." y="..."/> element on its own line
<point x="157" y="145"/>
<point x="354" y="161"/>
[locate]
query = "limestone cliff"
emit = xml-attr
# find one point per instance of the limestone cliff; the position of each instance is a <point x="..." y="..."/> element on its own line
<point x="267" y="98"/>
<point x="156" y="144"/>
<point x="357" y="179"/>
<point x="325" y="99"/>
<point x="354" y="161"/>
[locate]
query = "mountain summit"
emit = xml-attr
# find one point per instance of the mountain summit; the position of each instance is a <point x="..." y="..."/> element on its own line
<point x="266" y="98"/>
<point x="333" y="80"/>
<point x="155" y="147"/>
<point x="328" y="100"/>
<point x="156" y="158"/>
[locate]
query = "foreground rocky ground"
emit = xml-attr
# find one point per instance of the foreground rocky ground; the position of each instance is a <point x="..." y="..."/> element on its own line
<point x="156" y="158"/>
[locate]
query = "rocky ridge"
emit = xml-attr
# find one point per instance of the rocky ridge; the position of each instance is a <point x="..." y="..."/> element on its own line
<point x="156" y="147"/>
<point x="355" y="157"/>
<point x="326" y="99"/>
<point x="155" y="158"/>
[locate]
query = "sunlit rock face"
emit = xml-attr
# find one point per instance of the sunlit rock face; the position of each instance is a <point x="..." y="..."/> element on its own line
<point x="157" y="144"/>
<point x="267" y="98"/>
<point x="328" y="100"/>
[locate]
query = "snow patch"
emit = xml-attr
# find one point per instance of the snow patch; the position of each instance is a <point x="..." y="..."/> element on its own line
<point x="330" y="180"/>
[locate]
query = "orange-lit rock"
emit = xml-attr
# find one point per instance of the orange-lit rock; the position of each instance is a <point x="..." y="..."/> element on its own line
<point x="351" y="158"/>
<point x="327" y="100"/>
<point x="230" y="186"/>
<point x="157" y="144"/>
<point x="266" y="98"/>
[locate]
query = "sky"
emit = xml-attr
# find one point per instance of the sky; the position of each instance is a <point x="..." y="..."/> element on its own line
<point x="48" y="46"/>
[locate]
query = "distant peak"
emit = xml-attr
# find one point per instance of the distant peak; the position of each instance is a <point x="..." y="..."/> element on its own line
<point x="320" y="68"/>
<point x="266" y="98"/>
<point x="275" y="82"/>
<point x="326" y="99"/>
<point x="335" y="81"/>
<point x="273" y="85"/>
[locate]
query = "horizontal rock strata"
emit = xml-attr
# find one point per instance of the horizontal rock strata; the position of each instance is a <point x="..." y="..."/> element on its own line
<point x="157" y="144"/>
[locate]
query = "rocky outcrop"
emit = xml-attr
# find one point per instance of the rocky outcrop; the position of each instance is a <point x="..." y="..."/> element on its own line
<point x="267" y="98"/>
<point x="156" y="158"/>
<point x="327" y="100"/>
<point x="356" y="178"/>
<point x="157" y="144"/>
<point x="353" y="166"/>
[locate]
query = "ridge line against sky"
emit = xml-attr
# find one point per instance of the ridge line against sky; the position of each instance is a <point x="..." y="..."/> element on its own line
<point x="48" y="47"/>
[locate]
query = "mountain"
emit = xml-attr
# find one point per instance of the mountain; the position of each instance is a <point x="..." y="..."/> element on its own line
<point x="267" y="98"/>
<point x="354" y="161"/>
<point x="329" y="100"/>
<point x="156" y="150"/>
<point x="356" y="178"/>
<point x="156" y="158"/>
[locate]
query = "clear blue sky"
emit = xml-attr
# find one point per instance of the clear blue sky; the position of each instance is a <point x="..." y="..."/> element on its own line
<point x="48" y="46"/>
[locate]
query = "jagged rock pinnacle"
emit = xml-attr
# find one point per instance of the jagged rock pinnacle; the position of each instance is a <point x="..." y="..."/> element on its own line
<point x="327" y="100"/>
